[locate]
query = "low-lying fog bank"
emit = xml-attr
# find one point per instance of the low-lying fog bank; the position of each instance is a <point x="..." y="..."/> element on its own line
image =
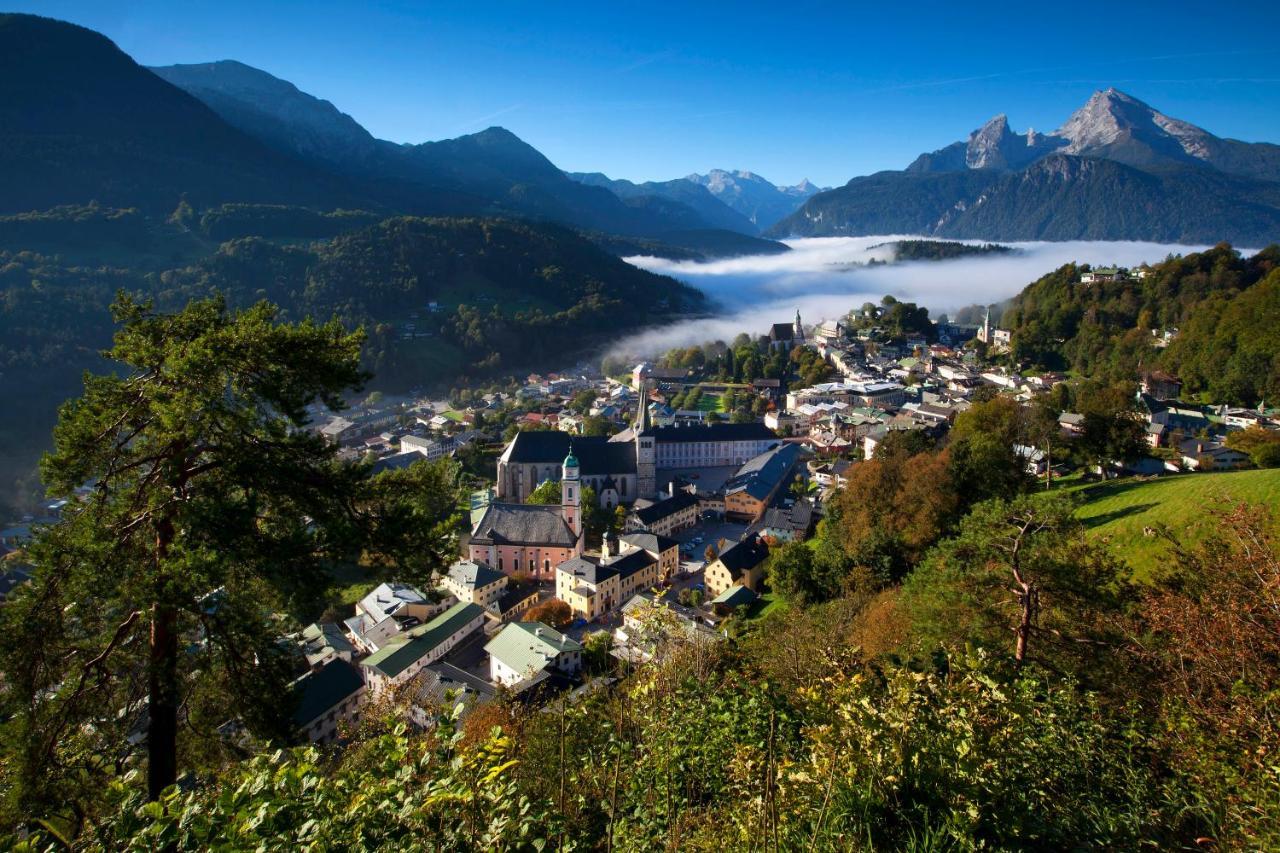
<point x="819" y="277"/>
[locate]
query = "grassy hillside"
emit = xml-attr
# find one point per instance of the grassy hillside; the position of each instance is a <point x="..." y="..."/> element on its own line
<point x="1121" y="509"/>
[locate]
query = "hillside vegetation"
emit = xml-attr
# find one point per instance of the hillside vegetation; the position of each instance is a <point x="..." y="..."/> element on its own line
<point x="1225" y="308"/>
<point x="508" y="295"/>
<point x="1127" y="514"/>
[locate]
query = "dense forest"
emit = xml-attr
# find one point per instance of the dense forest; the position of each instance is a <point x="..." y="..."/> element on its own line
<point x="1222" y="306"/>
<point x="507" y="295"/>
<point x="940" y="250"/>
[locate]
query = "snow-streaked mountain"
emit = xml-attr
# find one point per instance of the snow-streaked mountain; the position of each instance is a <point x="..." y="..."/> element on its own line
<point x="760" y="201"/>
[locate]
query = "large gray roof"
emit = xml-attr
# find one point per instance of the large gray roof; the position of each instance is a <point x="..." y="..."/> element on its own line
<point x="474" y="575"/>
<point x="651" y="542"/>
<point x="524" y="524"/>
<point x="596" y="455"/>
<point x="666" y="507"/>
<point x="761" y="476"/>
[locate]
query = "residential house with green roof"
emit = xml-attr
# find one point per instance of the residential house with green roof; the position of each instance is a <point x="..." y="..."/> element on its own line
<point x="404" y="656"/>
<point x="522" y="651"/>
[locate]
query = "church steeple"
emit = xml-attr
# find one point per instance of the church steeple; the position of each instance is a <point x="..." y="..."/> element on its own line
<point x="798" y="331"/>
<point x="571" y="493"/>
<point x="642" y="417"/>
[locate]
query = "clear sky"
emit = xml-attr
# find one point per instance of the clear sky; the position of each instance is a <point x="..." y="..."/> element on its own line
<point x="790" y="90"/>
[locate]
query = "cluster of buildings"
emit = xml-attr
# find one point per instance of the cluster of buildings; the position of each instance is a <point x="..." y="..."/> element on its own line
<point x="460" y="642"/>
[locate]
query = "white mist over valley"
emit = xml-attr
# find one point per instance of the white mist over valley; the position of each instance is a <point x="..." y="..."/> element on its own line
<point x="824" y="277"/>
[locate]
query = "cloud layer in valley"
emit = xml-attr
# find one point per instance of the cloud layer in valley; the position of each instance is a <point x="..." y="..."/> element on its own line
<point x="818" y="277"/>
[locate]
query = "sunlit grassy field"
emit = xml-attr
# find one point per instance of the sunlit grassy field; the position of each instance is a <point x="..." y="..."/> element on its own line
<point x="1121" y="510"/>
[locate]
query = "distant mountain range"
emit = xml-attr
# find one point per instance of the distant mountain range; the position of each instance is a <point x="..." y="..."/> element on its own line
<point x="1117" y="169"/>
<point x="738" y="201"/>
<point x="81" y="122"/>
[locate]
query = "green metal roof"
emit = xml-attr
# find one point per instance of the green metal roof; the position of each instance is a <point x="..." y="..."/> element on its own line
<point x="393" y="659"/>
<point x="735" y="596"/>
<point x="528" y="647"/>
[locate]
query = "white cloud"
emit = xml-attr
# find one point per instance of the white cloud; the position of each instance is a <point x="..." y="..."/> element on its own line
<point x="753" y="292"/>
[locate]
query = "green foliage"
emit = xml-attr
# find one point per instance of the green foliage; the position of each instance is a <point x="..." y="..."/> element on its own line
<point x="1222" y="304"/>
<point x="547" y="493"/>
<point x="941" y="250"/>
<point x="1018" y="573"/>
<point x="210" y="507"/>
<point x="412" y="793"/>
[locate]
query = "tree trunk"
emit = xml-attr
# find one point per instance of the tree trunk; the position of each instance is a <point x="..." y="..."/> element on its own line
<point x="162" y="728"/>
<point x="162" y="711"/>
<point x="1029" y="598"/>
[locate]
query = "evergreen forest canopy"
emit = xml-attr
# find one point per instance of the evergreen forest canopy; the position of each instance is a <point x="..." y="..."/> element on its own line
<point x="507" y="295"/>
<point x="1223" y="307"/>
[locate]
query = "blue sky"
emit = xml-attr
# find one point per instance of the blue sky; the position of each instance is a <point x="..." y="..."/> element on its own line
<point x="789" y="90"/>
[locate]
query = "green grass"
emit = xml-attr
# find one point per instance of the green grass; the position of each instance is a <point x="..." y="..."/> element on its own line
<point x="1120" y="510"/>
<point x="710" y="403"/>
<point x="768" y="602"/>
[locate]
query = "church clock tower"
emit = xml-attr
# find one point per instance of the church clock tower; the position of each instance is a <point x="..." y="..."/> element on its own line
<point x="571" y="494"/>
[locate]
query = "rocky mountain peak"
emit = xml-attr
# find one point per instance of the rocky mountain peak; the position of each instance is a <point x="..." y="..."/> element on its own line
<point x="996" y="146"/>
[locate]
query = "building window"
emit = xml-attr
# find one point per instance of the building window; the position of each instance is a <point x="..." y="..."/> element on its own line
<point x="499" y="564"/>
<point x="570" y="493"/>
<point x="546" y="565"/>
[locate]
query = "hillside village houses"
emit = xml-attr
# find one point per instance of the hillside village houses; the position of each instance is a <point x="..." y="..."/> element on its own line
<point x="677" y="474"/>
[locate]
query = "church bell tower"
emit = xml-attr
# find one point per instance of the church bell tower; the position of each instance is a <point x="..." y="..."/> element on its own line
<point x="571" y="494"/>
<point x="646" y="449"/>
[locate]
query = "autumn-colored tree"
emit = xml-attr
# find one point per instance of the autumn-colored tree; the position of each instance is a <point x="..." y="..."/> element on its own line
<point x="553" y="612"/>
<point x="894" y="507"/>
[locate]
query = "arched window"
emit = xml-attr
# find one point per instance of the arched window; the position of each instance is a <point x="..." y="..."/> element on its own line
<point x="546" y="565"/>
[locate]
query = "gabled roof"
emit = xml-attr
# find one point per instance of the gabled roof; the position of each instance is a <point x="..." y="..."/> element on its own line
<point x="761" y="476"/>
<point x="596" y="455"/>
<point x="439" y="680"/>
<point x="529" y="647"/>
<point x="781" y="332"/>
<point x="651" y="542"/>
<point x="474" y="575"/>
<point x="319" y="636"/>
<point x="667" y="507"/>
<point x="387" y="599"/>
<point x="735" y="596"/>
<point x="524" y="524"/>
<point x="744" y="556"/>
<point x="326" y="688"/>
<point x="395" y="658"/>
